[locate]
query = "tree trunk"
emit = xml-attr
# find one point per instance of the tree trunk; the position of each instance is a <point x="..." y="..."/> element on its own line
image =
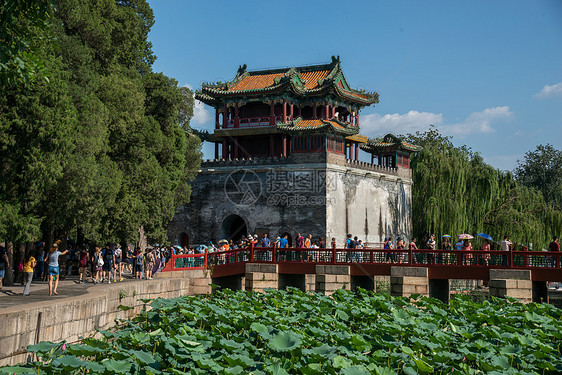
<point x="9" y="277"/>
<point x="142" y="238"/>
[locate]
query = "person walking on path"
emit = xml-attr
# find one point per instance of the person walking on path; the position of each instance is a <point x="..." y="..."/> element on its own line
<point x="4" y="264"/>
<point x="83" y="264"/>
<point x="53" y="263"/>
<point x="139" y="262"/>
<point x="149" y="264"/>
<point x="108" y="262"/>
<point x="29" y="264"/>
<point x="117" y="275"/>
<point x="97" y="265"/>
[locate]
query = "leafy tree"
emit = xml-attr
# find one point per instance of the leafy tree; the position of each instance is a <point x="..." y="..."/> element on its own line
<point x="104" y="147"/>
<point x="25" y="25"/>
<point x="542" y="170"/>
<point x="456" y="192"/>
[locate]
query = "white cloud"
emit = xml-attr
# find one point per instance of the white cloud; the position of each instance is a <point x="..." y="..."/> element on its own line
<point x="476" y="122"/>
<point x="376" y="125"/>
<point x="548" y="91"/>
<point x="201" y="115"/>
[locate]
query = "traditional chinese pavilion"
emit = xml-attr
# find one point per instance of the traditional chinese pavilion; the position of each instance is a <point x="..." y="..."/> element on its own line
<point x="284" y="111"/>
<point x="288" y="160"/>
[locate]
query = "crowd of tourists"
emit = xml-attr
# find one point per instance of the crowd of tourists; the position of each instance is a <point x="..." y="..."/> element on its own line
<point x="92" y="265"/>
<point x="463" y="245"/>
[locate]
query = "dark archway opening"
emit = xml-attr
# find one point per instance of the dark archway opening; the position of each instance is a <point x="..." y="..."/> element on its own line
<point x="233" y="228"/>
<point x="184" y="240"/>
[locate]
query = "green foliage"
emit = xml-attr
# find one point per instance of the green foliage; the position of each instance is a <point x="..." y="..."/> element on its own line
<point x="542" y="170"/>
<point x="104" y="147"/>
<point x="25" y="26"/>
<point x="291" y="332"/>
<point x="456" y="192"/>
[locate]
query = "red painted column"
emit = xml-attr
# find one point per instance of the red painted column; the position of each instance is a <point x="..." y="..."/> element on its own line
<point x="217" y="124"/>
<point x="271" y="145"/>
<point x="272" y="114"/>
<point x="314" y="115"/>
<point x="333" y="112"/>
<point x="284" y="154"/>
<point x="327" y="112"/>
<point x="284" y="110"/>
<point x="291" y="111"/>
<point x="236" y="117"/>
<point x="225" y="117"/>
<point x="356" y="151"/>
<point x="224" y="149"/>
<point x="216" y="150"/>
<point x="357" y="120"/>
<point x="235" y="141"/>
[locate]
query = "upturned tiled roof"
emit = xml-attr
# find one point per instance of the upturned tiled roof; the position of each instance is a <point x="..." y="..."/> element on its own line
<point x="299" y="125"/>
<point x="256" y="82"/>
<point x="306" y="81"/>
<point x="387" y="143"/>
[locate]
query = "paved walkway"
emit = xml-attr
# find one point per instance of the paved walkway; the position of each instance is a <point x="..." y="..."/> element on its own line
<point x="13" y="295"/>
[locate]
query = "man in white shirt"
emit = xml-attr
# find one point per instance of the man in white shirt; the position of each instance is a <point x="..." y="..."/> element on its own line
<point x="505" y="244"/>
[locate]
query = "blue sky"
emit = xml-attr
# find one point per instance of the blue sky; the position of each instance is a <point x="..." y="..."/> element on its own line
<point x="488" y="73"/>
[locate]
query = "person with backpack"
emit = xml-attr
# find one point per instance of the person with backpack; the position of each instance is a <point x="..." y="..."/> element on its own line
<point x="97" y="264"/>
<point x="108" y="262"/>
<point x="139" y="263"/>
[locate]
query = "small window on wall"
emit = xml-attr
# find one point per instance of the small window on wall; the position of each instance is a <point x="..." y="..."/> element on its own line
<point x="339" y="144"/>
<point x="399" y="158"/>
<point x="330" y="143"/>
<point x="406" y="161"/>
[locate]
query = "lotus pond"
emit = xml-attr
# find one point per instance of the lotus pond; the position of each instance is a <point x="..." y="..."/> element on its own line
<point x="292" y="332"/>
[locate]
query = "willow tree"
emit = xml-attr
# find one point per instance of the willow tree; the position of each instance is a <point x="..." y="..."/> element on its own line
<point x="455" y="192"/>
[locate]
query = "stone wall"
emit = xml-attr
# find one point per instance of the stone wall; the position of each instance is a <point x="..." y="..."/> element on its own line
<point x="322" y="194"/>
<point x="74" y="317"/>
<point x="368" y="205"/>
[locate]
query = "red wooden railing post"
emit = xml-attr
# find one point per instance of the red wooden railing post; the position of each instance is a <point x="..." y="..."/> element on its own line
<point x="206" y="258"/>
<point x="251" y="251"/>
<point x="334" y="254"/>
<point x="510" y="264"/>
<point x="557" y="260"/>
<point x="173" y="260"/>
<point x="410" y="255"/>
<point x="274" y="255"/>
<point x="371" y="256"/>
<point x="459" y="258"/>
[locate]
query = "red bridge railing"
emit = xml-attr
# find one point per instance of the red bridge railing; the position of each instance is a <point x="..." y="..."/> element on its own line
<point x="437" y="258"/>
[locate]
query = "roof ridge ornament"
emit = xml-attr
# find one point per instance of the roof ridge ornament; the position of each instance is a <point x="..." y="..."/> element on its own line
<point x="241" y="70"/>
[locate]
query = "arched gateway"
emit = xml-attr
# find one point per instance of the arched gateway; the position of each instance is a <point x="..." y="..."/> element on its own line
<point x="233" y="227"/>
